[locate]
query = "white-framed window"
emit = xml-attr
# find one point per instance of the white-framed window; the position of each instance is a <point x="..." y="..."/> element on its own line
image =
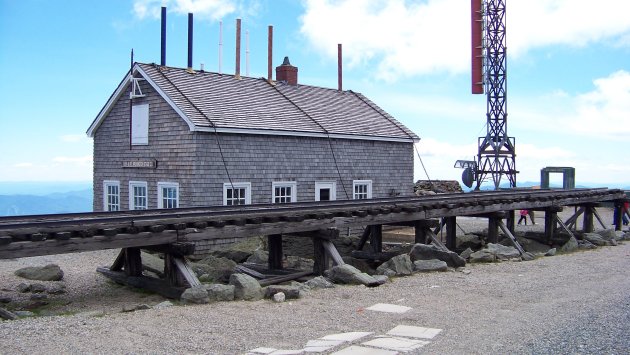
<point x="283" y="191"/>
<point x="138" y="195"/>
<point x="140" y="124"/>
<point x="111" y="195"/>
<point x="362" y="189"/>
<point x="238" y="193"/>
<point x="168" y="194"/>
<point x="325" y="190"/>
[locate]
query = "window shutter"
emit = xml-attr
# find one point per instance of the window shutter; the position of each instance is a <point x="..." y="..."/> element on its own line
<point x="140" y="124"/>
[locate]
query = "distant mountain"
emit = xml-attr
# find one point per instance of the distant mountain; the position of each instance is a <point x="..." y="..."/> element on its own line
<point x="57" y="202"/>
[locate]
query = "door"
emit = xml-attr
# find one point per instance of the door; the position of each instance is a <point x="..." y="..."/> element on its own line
<point x="325" y="191"/>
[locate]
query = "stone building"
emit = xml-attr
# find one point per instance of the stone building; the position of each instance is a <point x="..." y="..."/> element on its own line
<point x="171" y="137"/>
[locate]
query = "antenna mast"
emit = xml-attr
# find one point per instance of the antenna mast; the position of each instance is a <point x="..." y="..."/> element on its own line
<point x="496" y="153"/>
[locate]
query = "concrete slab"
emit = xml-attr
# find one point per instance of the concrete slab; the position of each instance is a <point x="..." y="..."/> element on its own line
<point x="396" y="344"/>
<point x="262" y="351"/>
<point x="414" y="332"/>
<point x="390" y="308"/>
<point x="324" y="342"/>
<point x="287" y="352"/>
<point x="317" y="349"/>
<point x="361" y="350"/>
<point x="349" y="336"/>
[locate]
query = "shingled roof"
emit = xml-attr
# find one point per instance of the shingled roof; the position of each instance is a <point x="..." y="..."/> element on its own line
<point x="210" y="101"/>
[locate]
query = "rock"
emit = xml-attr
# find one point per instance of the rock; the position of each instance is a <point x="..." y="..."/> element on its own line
<point x="5" y="299"/>
<point x="90" y="314"/>
<point x="259" y="257"/>
<point x="595" y="239"/>
<point x="214" y="269"/>
<point x="219" y="292"/>
<point x="466" y="253"/>
<point x="585" y="245"/>
<point x="163" y="305"/>
<point x="503" y="252"/>
<point x="302" y="287"/>
<point x="401" y="265"/>
<point x="57" y="289"/>
<point x="361" y="264"/>
<point x="468" y="241"/>
<point x="463" y="270"/>
<point x="348" y="274"/>
<point x="23" y="288"/>
<point x="607" y="234"/>
<point x="24" y="314"/>
<point x="529" y="245"/>
<point x="381" y="279"/>
<point x="290" y="292"/>
<point x="8" y="315"/>
<point x="238" y="256"/>
<point x="612" y="242"/>
<point x="430" y="265"/>
<point x="38" y="288"/>
<point x="299" y="263"/>
<point x="279" y="297"/>
<point x="527" y="256"/>
<point x="39" y="297"/>
<point x="197" y="294"/>
<point x="482" y="256"/>
<point x="128" y="309"/>
<point x="246" y="287"/>
<point x="626" y="236"/>
<point x="570" y="246"/>
<point x="345" y="244"/>
<point x="429" y="252"/>
<point x="50" y="272"/>
<point x="142" y="307"/>
<point x="319" y="282"/>
<point x="551" y="252"/>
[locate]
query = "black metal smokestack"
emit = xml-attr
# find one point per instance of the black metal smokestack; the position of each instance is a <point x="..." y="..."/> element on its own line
<point x="163" y="38"/>
<point x="190" y="40"/>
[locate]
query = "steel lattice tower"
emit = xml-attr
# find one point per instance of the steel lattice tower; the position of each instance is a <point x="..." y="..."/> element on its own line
<point x="496" y="154"/>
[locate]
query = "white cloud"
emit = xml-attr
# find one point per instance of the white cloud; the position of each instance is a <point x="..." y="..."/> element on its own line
<point x="603" y="113"/>
<point x="23" y="165"/>
<point x="407" y="38"/>
<point x="205" y="9"/>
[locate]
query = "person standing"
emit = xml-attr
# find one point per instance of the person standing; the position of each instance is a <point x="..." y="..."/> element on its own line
<point x="524" y="214"/>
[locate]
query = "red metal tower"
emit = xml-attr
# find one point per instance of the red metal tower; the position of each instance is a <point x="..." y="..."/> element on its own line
<point x="496" y="151"/>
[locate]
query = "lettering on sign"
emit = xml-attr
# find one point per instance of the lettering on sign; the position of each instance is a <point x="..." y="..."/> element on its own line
<point x="146" y="164"/>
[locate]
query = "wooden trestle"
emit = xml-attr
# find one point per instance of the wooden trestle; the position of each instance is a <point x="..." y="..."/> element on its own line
<point x="174" y="232"/>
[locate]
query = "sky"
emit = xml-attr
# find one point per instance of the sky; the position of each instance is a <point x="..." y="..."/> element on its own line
<point x="568" y="73"/>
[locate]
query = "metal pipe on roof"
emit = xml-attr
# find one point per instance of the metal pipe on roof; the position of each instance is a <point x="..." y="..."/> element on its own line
<point x="270" y="54"/>
<point x="190" y="40"/>
<point x="339" y="68"/>
<point x="237" y="72"/>
<point x="163" y="38"/>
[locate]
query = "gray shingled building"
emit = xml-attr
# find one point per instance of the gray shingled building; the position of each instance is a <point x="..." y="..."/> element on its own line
<point x="170" y="137"/>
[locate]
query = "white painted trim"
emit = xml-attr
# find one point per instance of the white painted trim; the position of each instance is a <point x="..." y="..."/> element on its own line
<point x="160" y="186"/>
<point x="140" y="124"/>
<point x="362" y="182"/>
<point x="291" y="184"/>
<point x="332" y="185"/>
<point x="272" y="132"/>
<point x="133" y="184"/>
<point x="238" y="185"/>
<point x="107" y="183"/>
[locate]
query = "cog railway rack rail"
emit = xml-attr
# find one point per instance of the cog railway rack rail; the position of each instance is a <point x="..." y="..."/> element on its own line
<point x="174" y="231"/>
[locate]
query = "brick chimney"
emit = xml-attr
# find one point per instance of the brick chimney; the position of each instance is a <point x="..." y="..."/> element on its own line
<point x="287" y="72"/>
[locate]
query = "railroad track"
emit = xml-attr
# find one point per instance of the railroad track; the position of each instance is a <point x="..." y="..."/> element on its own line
<point x="59" y="233"/>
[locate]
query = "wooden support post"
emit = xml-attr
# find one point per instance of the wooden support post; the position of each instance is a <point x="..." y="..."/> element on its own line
<point x="599" y="218"/>
<point x="332" y="252"/>
<point x="618" y="215"/>
<point x="550" y="224"/>
<point x="274" y="244"/>
<point x="119" y="263"/>
<point x="364" y="237"/>
<point x="509" y="234"/>
<point x="566" y="229"/>
<point x="321" y="257"/>
<point x="173" y="278"/>
<point x="133" y="262"/>
<point x="451" y="232"/>
<point x="510" y="220"/>
<point x="493" y="229"/>
<point x="587" y="223"/>
<point x="420" y="233"/>
<point x="572" y="221"/>
<point x="376" y="238"/>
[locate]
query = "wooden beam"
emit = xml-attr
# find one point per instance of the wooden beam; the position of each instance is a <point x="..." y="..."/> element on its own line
<point x="184" y="269"/>
<point x="144" y="282"/>
<point x="510" y="235"/>
<point x="247" y="271"/>
<point x="332" y="252"/>
<point x="493" y="229"/>
<point x="133" y="262"/>
<point x="511" y="214"/>
<point x="376" y="238"/>
<point x="451" y="232"/>
<point x="283" y="278"/>
<point x="364" y="238"/>
<point x="274" y="244"/>
<point x="550" y="224"/>
<point x="587" y="222"/>
<point x="320" y="255"/>
<point x="564" y="226"/>
<point x="599" y="218"/>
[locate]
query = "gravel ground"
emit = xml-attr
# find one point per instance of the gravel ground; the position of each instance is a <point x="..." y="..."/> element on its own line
<point x="577" y="303"/>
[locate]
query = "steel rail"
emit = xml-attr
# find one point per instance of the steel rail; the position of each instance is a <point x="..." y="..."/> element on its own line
<point x="33" y="221"/>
